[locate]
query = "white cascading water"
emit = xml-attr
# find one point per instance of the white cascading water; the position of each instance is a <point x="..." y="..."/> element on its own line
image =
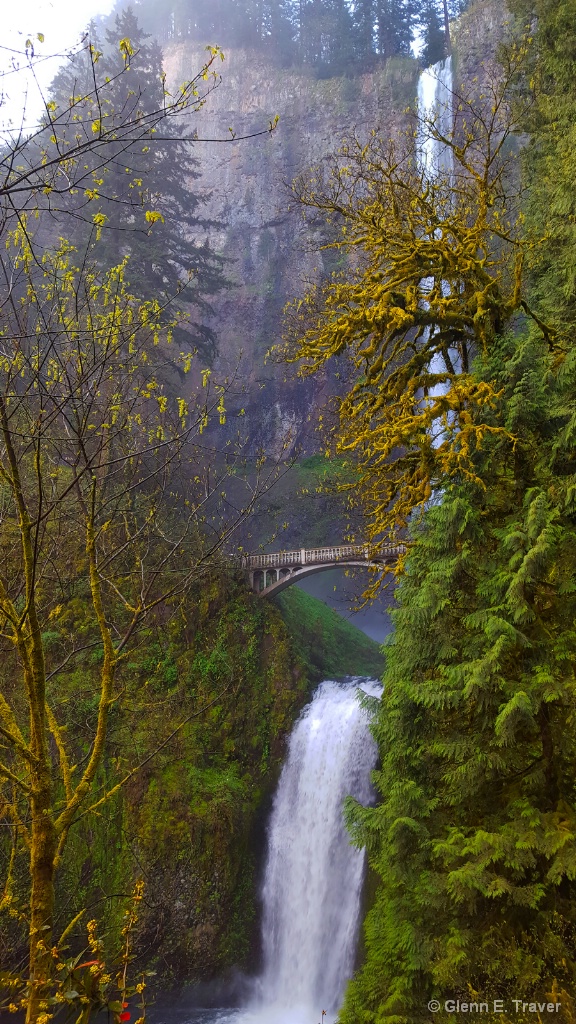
<point x="313" y="879"/>
<point x="435" y="104"/>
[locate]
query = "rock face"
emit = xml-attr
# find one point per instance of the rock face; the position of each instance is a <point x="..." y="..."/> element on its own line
<point x="247" y="188"/>
<point x="476" y="37"/>
<point x="259" y="234"/>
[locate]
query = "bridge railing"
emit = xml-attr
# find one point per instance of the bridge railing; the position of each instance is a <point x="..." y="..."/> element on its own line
<point x="314" y="556"/>
<point x="271" y="561"/>
<point x="335" y="554"/>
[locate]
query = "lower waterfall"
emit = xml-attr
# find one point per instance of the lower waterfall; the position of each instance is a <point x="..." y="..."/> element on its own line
<point x="312" y="888"/>
<point x="313" y="879"/>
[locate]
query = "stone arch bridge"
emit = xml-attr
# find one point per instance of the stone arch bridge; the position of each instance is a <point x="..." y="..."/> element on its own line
<point x="269" y="574"/>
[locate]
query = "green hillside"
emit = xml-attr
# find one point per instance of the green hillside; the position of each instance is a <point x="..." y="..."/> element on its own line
<point x="328" y="644"/>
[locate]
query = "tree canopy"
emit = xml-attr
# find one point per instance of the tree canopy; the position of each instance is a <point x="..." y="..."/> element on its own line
<point x="433" y="276"/>
<point x="162" y="232"/>
<point x="331" y="37"/>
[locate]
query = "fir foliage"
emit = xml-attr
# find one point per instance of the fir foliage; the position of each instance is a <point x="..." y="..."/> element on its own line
<point x="474" y="840"/>
<point x="163" y="235"/>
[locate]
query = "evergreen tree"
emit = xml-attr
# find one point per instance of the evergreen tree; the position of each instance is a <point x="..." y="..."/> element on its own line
<point x="394" y="26"/>
<point x="326" y="36"/>
<point x="364" y="30"/>
<point x="474" y="840"/>
<point x="265" y="25"/>
<point x="281" y="32"/>
<point x="434" y="35"/>
<point x="156" y="237"/>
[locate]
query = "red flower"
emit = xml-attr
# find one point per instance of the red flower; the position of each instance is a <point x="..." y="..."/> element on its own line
<point x="125" y="1015"/>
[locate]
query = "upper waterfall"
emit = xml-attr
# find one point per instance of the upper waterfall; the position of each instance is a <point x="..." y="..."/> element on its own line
<point x="435" y="101"/>
<point x="435" y="159"/>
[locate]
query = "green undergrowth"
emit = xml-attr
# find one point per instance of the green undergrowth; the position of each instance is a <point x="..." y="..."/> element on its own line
<point x="205" y="701"/>
<point x="330" y="646"/>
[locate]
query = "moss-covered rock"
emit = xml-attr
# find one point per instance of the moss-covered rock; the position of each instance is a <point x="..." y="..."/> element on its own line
<point x="193" y="808"/>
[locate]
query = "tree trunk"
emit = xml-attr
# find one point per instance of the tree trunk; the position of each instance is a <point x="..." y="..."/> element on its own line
<point x="552" y="789"/>
<point x="42" y="871"/>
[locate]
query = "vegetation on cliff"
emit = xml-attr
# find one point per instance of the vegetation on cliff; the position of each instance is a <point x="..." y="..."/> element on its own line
<point x="330" y="37"/>
<point x="187" y="822"/>
<point x="329" y="646"/>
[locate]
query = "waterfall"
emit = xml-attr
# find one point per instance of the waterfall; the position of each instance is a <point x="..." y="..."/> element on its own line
<point x="435" y="102"/>
<point x="313" y="877"/>
<point x="435" y="98"/>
